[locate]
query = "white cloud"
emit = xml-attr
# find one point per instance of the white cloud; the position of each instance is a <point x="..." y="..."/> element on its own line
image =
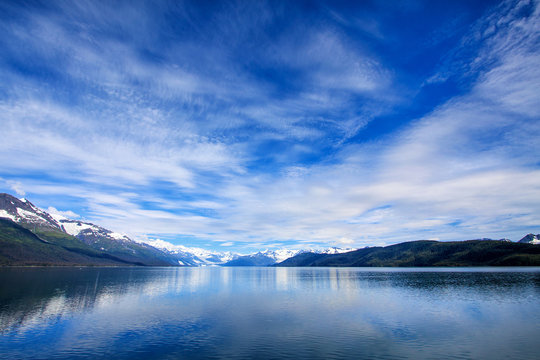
<point x="16" y="186"/>
<point x="345" y="241"/>
<point x="67" y="214"/>
<point x="467" y="169"/>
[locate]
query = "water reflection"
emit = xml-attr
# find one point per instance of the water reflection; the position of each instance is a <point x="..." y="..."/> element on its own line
<point x="268" y="312"/>
<point x="32" y="295"/>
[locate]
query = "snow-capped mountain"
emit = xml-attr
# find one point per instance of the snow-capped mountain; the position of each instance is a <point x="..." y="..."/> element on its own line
<point x="194" y="256"/>
<point x="106" y="242"/>
<point x="280" y="254"/>
<point x="263" y="258"/>
<point x="202" y="257"/>
<point x="284" y="254"/>
<point x="271" y="257"/>
<point x="88" y="232"/>
<point x="531" y="239"/>
<point x="25" y="213"/>
<point x="333" y="250"/>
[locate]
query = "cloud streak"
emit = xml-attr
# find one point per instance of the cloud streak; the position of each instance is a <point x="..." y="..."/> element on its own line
<point x="237" y="125"/>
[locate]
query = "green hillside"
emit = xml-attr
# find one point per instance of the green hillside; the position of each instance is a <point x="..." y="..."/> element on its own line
<point x="429" y="253"/>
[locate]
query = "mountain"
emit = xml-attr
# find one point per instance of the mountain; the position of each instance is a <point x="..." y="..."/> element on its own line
<point x="116" y="244"/>
<point x="271" y="257"/>
<point x="60" y="234"/>
<point x="332" y="250"/>
<point x="31" y="236"/>
<point x="20" y="246"/>
<point x="23" y="212"/>
<point x="429" y="253"/>
<point x="201" y="257"/>
<point x="262" y="258"/>
<point x="194" y="256"/>
<point x="530" y="239"/>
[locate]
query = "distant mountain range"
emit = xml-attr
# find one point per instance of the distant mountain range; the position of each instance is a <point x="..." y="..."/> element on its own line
<point x="192" y="256"/>
<point x="271" y="257"/>
<point x="32" y="236"/>
<point x="202" y="257"/>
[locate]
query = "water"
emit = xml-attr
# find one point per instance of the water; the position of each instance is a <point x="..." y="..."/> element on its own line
<point x="269" y="313"/>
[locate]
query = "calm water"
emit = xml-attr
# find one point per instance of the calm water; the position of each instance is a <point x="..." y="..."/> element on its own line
<point x="269" y="313"/>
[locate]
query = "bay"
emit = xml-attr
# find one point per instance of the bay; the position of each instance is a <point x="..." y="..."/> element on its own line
<point x="269" y="313"/>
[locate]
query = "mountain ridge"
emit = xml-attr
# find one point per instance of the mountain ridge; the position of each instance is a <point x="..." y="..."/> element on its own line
<point x="90" y="240"/>
<point x="32" y="236"/>
<point x="428" y="253"/>
<point x="271" y="257"/>
<point x="20" y="246"/>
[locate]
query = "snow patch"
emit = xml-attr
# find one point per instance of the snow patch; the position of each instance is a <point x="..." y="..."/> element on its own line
<point x="535" y="240"/>
<point x="117" y="236"/>
<point x="5" y="214"/>
<point x="28" y="215"/>
<point x="335" y="250"/>
<point x="57" y="217"/>
<point x="280" y="254"/>
<point x="208" y="257"/>
<point x="160" y="244"/>
<point x="74" y="228"/>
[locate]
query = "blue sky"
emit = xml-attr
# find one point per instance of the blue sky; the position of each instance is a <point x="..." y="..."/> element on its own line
<point x="250" y="124"/>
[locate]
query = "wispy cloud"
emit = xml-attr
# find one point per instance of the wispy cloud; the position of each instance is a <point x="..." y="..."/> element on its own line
<point x="68" y="214"/>
<point x="16" y="186"/>
<point x="256" y="124"/>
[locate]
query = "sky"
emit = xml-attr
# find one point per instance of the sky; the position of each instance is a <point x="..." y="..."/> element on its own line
<point x="245" y="125"/>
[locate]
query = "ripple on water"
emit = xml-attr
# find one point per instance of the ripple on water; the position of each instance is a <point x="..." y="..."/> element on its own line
<point x="268" y="313"/>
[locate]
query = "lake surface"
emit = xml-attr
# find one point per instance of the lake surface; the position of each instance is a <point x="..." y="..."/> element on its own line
<point x="269" y="313"/>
